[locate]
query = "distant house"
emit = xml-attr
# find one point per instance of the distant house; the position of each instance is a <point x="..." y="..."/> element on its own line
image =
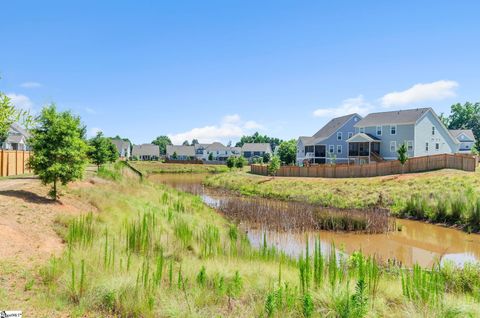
<point x="180" y="152"/>
<point x="252" y="151"/>
<point x="146" y="152"/>
<point x="123" y="147"/>
<point x="329" y="144"/>
<point x="466" y="139"/>
<point x="16" y="138"/>
<point x="379" y="135"/>
<point x="216" y="151"/>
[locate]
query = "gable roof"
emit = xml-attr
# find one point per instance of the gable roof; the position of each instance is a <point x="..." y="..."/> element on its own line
<point x="216" y="146"/>
<point x="257" y="147"/>
<point x="362" y="137"/>
<point x="467" y="132"/>
<point x="187" y="151"/>
<point x="17" y="129"/>
<point x="332" y="126"/>
<point x="120" y="144"/>
<point x="396" y="117"/>
<point x="15" y="139"/>
<point x="146" y="150"/>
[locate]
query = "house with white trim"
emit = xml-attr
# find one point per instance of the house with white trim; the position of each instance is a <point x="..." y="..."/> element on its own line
<point x="329" y="144"/>
<point x="379" y="135"/>
<point x="466" y="138"/>
<point x="16" y="138"/>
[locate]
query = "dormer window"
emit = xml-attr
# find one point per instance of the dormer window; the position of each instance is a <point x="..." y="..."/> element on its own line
<point x="393" y="129"/>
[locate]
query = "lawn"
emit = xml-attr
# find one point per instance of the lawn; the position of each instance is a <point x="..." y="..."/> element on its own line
<point x="444" y="196"/>
<point x="152" y="167"/>
<point x="151" y="251"/>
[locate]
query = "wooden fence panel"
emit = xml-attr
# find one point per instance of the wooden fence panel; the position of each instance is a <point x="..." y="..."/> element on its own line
<point x="417" y="164"/>
<point x="13" y="162"/>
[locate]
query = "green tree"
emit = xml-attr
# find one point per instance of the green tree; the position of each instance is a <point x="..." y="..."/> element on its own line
<point x="174" y="156"/>
<point x="194" y="142"/>
<point x="100" y="151"/>
<point x="60" y="151"/>
<point x="266" y="157"/>
<point x="231" y="161"/>
<point x="240" y="162"/>
<point x="162" y="142"/>
<point x="9" y="115"/>
<point x="210" y="156"/>
<point x="466" y="116"/>
<point x="185" y="143"/>
<point x="402" y="155"/>
<point x="113" y="152"/>
<point x="274" y="166"/>
<point x="287" y="151"/>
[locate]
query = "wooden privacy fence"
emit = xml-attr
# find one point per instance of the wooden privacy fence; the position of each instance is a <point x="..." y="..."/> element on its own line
<point x="13" y="162"/>
<point x="417" y="164"/>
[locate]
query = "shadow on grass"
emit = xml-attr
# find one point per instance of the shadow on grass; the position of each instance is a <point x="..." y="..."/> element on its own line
<point x="27" y="196"/>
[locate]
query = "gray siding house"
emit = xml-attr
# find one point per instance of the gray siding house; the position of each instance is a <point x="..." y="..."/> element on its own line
<point x="180" y="152"/>
<point x="252" y="151"/>
<point x="329" y="144"/>
<point x="146" y="152"/>
<point x="16" y="138"/>
<point x="378" y="135"/>
<point x="466" y="138"/>
<point x="123" y="147"/>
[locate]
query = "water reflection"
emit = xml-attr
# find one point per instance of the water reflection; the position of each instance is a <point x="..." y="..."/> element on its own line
<point x="417" y="242"/>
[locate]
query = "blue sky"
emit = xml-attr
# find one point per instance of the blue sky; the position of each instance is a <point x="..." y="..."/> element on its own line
<point x="218" y="69"/>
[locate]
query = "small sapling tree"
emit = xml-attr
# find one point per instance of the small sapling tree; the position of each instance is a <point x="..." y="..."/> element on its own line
<point x="402" y="155"/>
<point x="59" y="148"/>
<point x="274" y="166"/>
<point x="240" y="162"/>
<point x="231" y="162"/>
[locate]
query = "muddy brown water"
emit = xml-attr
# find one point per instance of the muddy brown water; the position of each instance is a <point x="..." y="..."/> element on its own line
<point x="416" y="243"/>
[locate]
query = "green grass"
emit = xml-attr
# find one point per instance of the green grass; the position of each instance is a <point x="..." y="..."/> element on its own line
<point x="152" y="251"/>
<point x="152" y="167"/>
<point x="445" y="196"/>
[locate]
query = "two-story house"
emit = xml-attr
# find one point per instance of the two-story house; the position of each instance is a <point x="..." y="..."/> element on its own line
<point x="123" y="147"/>
<point x="329" y="144"/>
<point x="253" y="151"/>
<point x="379" y="135"/>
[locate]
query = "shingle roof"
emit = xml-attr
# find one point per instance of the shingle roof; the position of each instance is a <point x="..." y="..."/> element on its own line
<point x="467" y="132"/>
<point x="216" y="146"/>
<point x="15" y="139"/>
<point x="306" y="140"/>
<point x="188" y="151"/>
<point x="332" y="126"/>
<point x="362" y="137"/>
<point x="120" y="144"/>
<point x="19" y="129"/>
<point x="257" y="147"/>
<point x="397" y="117"/>
<point x="146" y="150"/>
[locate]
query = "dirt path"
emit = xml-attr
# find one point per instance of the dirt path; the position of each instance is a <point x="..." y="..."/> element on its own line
<point x="27" y="219"/>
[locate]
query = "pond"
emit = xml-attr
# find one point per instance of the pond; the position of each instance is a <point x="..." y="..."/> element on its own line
<point x="281" y="225"/>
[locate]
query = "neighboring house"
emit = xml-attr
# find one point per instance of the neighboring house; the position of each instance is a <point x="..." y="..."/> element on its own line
<point x="217" y="151"/>
<point x="16" y="138"/>
<point x="329" y="144"/>
<point x="180" y="152"/>
<point x="466" y="139"/>
<point x="379" y="135"/>
<point x="123" y="147"/>
<point x="146" y="152"/>
<point x="252" y="151"/>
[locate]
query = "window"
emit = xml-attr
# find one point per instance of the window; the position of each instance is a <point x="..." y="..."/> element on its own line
<point x="362" y="129"/>
<point x="393" y="129"/>
<point x="433" y="130"/>
<point x="379" y="130"/>
<point x="350" y="135"/>
<point x="426" y="146"/>
<point x="331" y="148"/>
<point x="437" y="146"/>
<point x="339" y="148"/>
<point x="410" y="145"/>
<point x="393" y="146"/>
<point x="339" y="135"/>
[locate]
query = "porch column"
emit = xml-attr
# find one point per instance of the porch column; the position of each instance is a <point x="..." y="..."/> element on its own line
<point x="369" y="151"/>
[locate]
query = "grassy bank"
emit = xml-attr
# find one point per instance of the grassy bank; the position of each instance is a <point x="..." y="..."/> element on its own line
<point x="153" y="251"/>
<point x="152" y="167"/>
<point x="446" y="196"/>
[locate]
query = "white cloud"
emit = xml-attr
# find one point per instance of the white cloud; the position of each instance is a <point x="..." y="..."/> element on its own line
<point x="92" y="132"/>
<point x="231" y="126"/>
<point x="20" y="101"/>
<point x="31" y="85"/>
<point x="349" y="106"/>
<point x="420" y="92"/>
<point x="90" y="110"/>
